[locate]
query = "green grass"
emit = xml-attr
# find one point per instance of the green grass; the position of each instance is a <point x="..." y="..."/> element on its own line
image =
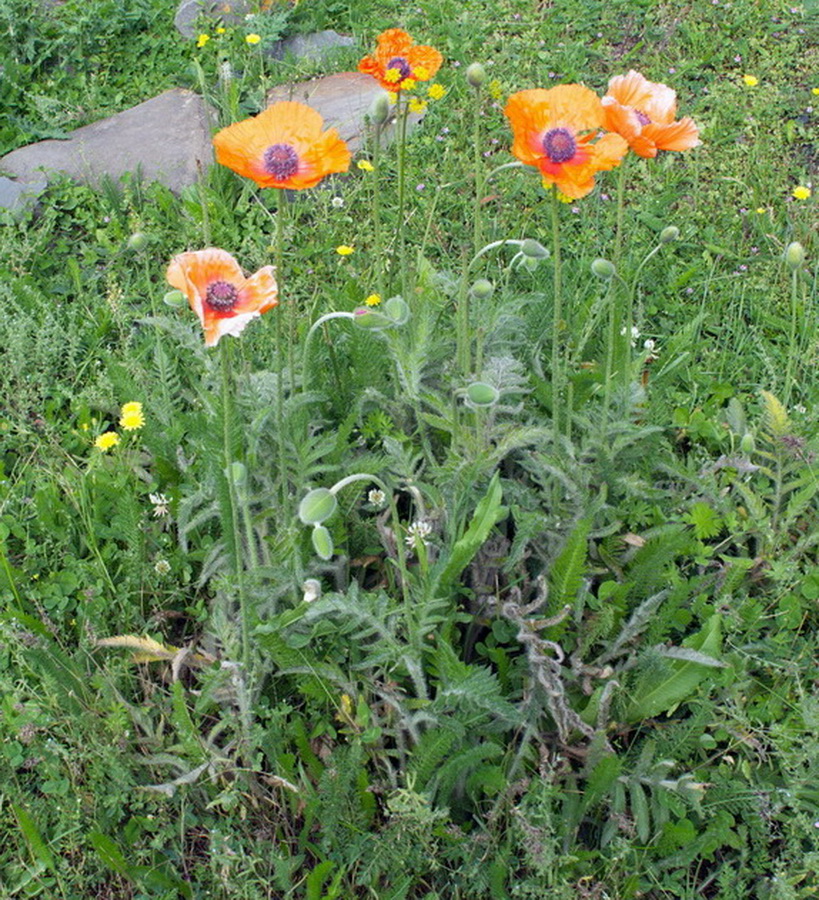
<point x="597" y="676"/>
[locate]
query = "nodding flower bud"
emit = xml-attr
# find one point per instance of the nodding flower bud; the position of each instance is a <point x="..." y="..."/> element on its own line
<point x="475" y="74"/>
<point x="533" y="249"/>
<point x="380" y="109"/>
<point x="317" y="506"/>
<point x="138" y="241"/>
<point x="669" y="233"/>
<point x="603" y="268"/>
<point x="747" y="444"/>
<point x="175" y="299"/>
<point x="480" y="394"/>
<point x="397" y="310"/>
<point x="482" y="289"/>
<point x="794" y="255"/>
<point x="322" y="542"/>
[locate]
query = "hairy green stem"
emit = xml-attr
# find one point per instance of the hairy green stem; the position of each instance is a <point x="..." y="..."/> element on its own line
<point x="558" y="374"/>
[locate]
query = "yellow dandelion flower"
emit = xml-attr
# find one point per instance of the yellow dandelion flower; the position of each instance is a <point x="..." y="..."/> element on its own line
<point x="344" y="250"/>
<point x="417" y="105"/>
<point x="373" y="300"/>
<point x="750" y="80"/>
<point x="252" y="38"/>
<point x="815" y="91"/>
<point x="495" y="89"/>
<point x="202" y="40"/>
<point x="407" y="84"/>
<point x="761" y="210"/>
<point x="420" y="73"/>
<point x="131" y="417"/>
<point x="801" y="192"/>
<point x="393" y="76"/>
<point x="221" y="30"/>
<point x="365" y="165"/>
<point x="107" y="441"/>
<point x="392" y="96"/>
<point x="436" y="91"/>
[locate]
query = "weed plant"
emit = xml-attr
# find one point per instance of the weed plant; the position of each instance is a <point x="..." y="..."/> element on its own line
<point x="484" y="565"/>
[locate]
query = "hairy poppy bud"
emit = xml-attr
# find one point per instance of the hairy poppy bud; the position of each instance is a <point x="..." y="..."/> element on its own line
<point x="669" y="233"/>
<point x="480" y="394"/>
<point x="603" y="268"/>
<point x="533" y="249"/>
<point x="322" y="542"/>
<point x="794" y="255"/>
<point x="475" y="74"/>
<point x="482" y="289"/>
<point x="380" y="109"/>
<point x="317" y="506"/>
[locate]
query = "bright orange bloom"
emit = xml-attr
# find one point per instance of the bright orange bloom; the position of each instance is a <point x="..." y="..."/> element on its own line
<point x="219" y="293"/>
<point x="399" y="63"/>
<point x="643" y="113"/>
<point x="557" y="131"/>
<point x="282" y="147"/>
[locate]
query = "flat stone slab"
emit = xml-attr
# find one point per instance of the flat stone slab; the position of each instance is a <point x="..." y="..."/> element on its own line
<point x="344" y="100"/>
<point x="188" y="11"/>
<point x="17" y="196"/>
<point x="165" y="139"/>
<point x="317" y="46"/>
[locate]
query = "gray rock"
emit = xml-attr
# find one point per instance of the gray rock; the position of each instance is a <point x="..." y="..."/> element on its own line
<point x="165" y="139"/>
<point x="18" y="196"/>
<point x="318" y="46"/>
<point x="231" y="11"/>
<point x="344" y="100"/>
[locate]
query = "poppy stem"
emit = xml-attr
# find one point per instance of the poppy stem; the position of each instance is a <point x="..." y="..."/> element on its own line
<point x="558" y="379"/>
<point x="621" y="208"/>
<point x="232" y="528"/>
<point x="284" y="323"/>
<point x="401" y="111"/>
<point x="792" y="336"/>
<point x="376" y="198"/>
<point x="479" y="179"/>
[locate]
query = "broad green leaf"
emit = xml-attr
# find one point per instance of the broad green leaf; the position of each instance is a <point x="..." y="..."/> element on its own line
<point x="653" y="697"/>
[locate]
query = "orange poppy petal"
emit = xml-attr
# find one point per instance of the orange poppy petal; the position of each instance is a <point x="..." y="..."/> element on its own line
<point x="575" y="106"/>
<point x="390" y="43"/>
<point x="216" y="327"/>
<point x="632" y="90"/>
<point x="425" y="58"/>
<point x="682" y="135"/>
<point x="608" y="152"/>
<point x="259" y="292"/>
<point x="325" y="156"/>
<point x="620" y="119"/>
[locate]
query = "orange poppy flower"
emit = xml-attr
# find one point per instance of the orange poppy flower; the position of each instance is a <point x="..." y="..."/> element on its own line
<point x="219" y="293"/>
<point x="558" y="130"/>
<point x="282" y="147"/>
<point x="643" y="113"/>
<point x="398" y="62"/>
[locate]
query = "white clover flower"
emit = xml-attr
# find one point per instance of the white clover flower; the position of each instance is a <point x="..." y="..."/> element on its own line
<point x="418" y="531"/>
<point x="162" y="567"/>
<point x="635" y="333"/>
<point x="337" y="202"/>
<point x="160" y="502"/>
<point x="377" y="497"/>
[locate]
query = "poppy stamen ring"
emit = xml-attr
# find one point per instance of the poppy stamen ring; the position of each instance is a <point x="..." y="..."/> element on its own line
<point x="559" y="145"/>
<point x="281" y="161"/>
<point x="221" y="296"/>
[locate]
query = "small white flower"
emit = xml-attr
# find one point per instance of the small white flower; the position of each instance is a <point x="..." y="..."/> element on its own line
<point x="418" y="531"/>
<point x="337" y="202"/>
<point x="377" y="497"/>
<point x="635" y="333"/>
<point x="162" y="567"/>
<point x="312" y="590"/>
<point x="160" y="502"/>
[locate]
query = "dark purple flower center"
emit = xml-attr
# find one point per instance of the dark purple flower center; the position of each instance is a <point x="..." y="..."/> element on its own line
<point x="559" y="145"/>
<point x="644" y="119"/>
<point x="398" y="62"/>
<point x="221" y="296"/>
<point x="281" y="161"/>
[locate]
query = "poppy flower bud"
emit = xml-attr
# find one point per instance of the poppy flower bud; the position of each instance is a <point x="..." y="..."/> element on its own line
<point x="603" y="268"/>
<point x="322" y="542"/>
<point x="747" y="444"/>
<point x="138" y="241"/>
<point x="236" y="473"/>
<point x="397" y="310"/>
<point x="669" y="233"/>
<point x="317" y="506"/>
<point x="482" y="289"/>
<point x="480" y="394"/>
<point x="794" y="255"/>
<point x="175" y="299"/>
<point x="533" y="249"/>
<point x="475" y="74"/>
<point x="380" y="109"/>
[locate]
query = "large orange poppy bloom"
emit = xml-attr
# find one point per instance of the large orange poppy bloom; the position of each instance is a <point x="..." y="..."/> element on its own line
<point x="643" y="113"/>
<point x="398" y="62"/>
<point x="219" y="293"/>
<point x="558" y="130"/>
<point x="283" y="147"/>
